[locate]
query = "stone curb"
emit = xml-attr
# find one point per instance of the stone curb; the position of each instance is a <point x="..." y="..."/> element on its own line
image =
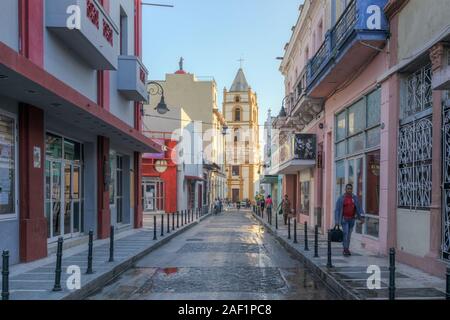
<point x="93" y="285"/>
<point x="331" y="282"/>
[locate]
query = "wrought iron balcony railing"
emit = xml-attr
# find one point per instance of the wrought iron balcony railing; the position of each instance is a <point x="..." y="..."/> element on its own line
<point x="363" y="20"/>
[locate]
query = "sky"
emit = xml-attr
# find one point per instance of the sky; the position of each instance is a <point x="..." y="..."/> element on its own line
<point x="212" y="35"/>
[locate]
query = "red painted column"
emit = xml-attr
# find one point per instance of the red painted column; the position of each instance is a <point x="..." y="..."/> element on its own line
<point x="31" y="30"/>
<point x="138" y="210"/>
<point x="103" y="173"/>
<point x="33" y="224"/>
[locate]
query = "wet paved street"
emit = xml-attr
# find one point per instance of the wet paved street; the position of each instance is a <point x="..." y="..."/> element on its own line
<point x="226" y="257"/>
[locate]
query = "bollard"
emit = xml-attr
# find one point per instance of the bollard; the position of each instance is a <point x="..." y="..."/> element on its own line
<point x="329" y="263"/>
<point x="185" y="216"/>
<point x="178" y="219"/>
<point x="182" y="217"/>
<point x="162" y="225"/>
<point x="173" y="221"/>
<point x="276" y="220"/>
<point x="447" y="290"/>
<point x="5" y="275"/>
<point x="306" y="236"/>
<point x="90" y="251"/>
<point x="392" y="274"/>
<point x="316" y="241"/>
<point x="289" y="228"/>
<point x="111" y="245"/>
<point x="154" y="228"/>
<point x="295" y="230"/>
<point x="168" y="223"/>
<point x="57" y="286"/>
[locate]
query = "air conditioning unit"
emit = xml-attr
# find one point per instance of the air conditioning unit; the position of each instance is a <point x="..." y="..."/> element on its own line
<point x="441" y="78"/>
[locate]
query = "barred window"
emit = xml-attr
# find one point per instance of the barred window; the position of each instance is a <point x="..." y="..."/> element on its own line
<point x="415" y="142"/>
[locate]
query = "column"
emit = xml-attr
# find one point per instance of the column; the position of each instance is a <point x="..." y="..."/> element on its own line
<point x="33" y="224"/>
<point x="103" y="178"/>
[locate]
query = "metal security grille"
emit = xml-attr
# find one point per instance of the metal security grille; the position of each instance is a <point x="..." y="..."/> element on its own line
<point x="419" y="95"/>
<point x="446" y="180"/>
<point x="415" y="142"/>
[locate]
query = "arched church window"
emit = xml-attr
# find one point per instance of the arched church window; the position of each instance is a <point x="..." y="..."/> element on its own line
<point x="237" y="114"/>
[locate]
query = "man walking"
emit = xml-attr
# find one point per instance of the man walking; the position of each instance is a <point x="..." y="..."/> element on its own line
<point x="269" y="204"/>
<point x="286" y="207"/>
<point x="348" y="209"/>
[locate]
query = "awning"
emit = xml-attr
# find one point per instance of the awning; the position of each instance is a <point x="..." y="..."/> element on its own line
<point x="293" y="166"/>
<point x="194" y="178"/>
<point x="269" y="180"/>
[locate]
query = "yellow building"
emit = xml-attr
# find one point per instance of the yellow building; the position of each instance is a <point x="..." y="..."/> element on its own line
<point x="240" y="109"/>
<point x="193" y="114"/>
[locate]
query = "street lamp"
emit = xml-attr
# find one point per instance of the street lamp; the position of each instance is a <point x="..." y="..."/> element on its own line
<point x="283" y="113"/>
<point x="161" y="108"/>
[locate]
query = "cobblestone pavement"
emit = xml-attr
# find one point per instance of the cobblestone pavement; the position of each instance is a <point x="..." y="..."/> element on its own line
<point x="227" y="257"/>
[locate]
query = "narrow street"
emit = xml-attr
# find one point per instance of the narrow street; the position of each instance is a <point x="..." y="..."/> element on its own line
<point x="227" y="257"/>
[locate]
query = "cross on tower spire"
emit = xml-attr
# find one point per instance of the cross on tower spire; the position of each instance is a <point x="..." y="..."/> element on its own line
<point x="240" y="62"/>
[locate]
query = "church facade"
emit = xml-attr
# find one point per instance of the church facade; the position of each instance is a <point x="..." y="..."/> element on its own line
<point x="240" y="109"/>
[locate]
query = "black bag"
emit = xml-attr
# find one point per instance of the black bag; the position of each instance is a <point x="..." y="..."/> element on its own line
<point x="337" y="235"/>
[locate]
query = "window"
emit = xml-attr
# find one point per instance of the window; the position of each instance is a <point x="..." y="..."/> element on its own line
<point x="7" y="166"/>
<point x="358" y="127"/>
<point x="237" y="99"/>
<point x="235" y="171"/>
<point x="112" y="181"/>
<point x="123" y="32"/>
<point x="237" y="114"/>
<point x="415" y="141"/>
<point x="305" y="187"/>
<point x="357" y="137"/>
<point x="153" y="195"/>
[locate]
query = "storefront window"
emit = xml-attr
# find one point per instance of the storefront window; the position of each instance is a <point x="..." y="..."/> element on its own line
<point x="112" y="181"/>
<point x="154" y="195"/>
<point x="7" y="167"/>
<point x="304" y="197"/>
<point x="358" y="133"/>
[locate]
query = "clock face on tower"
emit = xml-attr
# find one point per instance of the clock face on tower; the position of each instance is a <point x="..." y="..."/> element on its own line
<point x="161" y="166"/>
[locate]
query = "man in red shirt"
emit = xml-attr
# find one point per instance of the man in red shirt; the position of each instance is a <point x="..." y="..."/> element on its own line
<point x="348" y="209"/>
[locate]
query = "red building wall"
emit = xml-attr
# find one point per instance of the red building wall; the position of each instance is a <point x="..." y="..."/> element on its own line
<point x="169" y="177"/>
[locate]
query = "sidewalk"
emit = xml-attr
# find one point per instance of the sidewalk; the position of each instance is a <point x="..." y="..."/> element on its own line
<point x="35" y="281"/>
<point x="348" y="277"/>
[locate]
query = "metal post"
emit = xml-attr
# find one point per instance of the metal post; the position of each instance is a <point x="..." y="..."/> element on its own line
<point x="447" y="291"/>
<point x="90" y="251"/>
<point x="295" y="230"/>
<point x="289" y="228"/>
<point x="173" y="221"/>
<point x="182" y="217"/>
<point x="5" y="275"/>
<point x="306" y="236"/>
<point x="111" y="245"/>
<point x="154" y="228"/>
<point x="57" y="286"/>
<point x="392" y="274"/>
<point x="168" y="223"/>
<point x="316" y="241"/>
<point x="329" y="263"/>
<point x="178" y="219"/>
<point x="162" y="225"/>
<point x="185" y="216"/>
<point x="276" y="220"/>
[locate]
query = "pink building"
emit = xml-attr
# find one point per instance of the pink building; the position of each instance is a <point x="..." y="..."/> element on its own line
<point x="373" y="96"/>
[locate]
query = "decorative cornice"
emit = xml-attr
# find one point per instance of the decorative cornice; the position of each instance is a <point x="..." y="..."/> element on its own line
<point x="393" y="7"/>
<point x="437" y="55"/>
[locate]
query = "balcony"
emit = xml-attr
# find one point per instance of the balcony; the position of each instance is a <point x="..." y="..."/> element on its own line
<point x="295" y="152"/>
<point x="358" y="35"/>
<point x="132" y="78"/>
<point x="303" y="109"/>
<point x="86" y="28"/>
